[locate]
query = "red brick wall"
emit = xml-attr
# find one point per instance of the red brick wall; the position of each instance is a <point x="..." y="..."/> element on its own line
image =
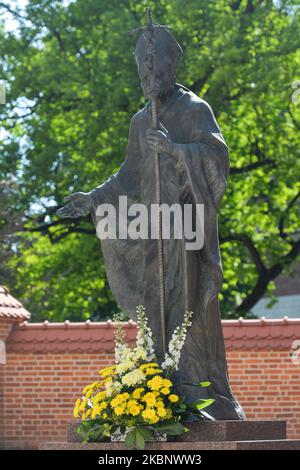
<point x="267" y="384"/>
<point x="5" y="328"/>
<point x="44" y="376"/>
<point x="6" y="325"/>
<point x="1" y="404"/>
<point x="40" y="392"/>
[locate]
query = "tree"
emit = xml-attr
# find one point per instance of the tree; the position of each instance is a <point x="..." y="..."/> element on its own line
<point x="10" y="225"/>
<point x="72" y="88"/>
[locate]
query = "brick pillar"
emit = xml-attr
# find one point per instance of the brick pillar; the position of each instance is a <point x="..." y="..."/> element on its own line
<point x="6" y="325"/>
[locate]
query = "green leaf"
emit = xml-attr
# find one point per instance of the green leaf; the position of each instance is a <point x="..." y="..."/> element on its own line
<point x="181" y="409"/>
<point x="139" y="439"/>
<point x="174" y="429"/>
<point x="204" y="403"/>
<point x="198" y="384"/>
<point x="205" y="384"/>
<point x="130" y="439"/>
<point x="147" y="434"/>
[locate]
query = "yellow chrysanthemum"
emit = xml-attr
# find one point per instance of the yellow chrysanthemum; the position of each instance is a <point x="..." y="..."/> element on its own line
<point x="159" y="401"/>
<point x="120" y="410"/>
<point x="83" y="404"/>
<point x="115" y="402"/>
<point x="138" y="393"/>
<point x="102" y="406"/>
<point x="88" y="413"/>
<point x="106" y="374"/>
<point x="107" y="381"/>
<point x="86" y="389"/>
<point x="156" y="382"/>
<point x="133" y="407"/>
<point x="97" y="384"/>
<point x="167" y="383"/>
<point x="150" y="416"/>
<point x="96" y="411"/>
<point x="119" y="399"/>
<point x="90" y="387"/>
<point x="89" y="393"/>
<point x="173" y="398"/>
<point x="169" y="413"/>
<point x="152" y="371"/>
<point x="76" y="409"/>
<point x="99" y="397"/>
<point x="161" y="411"/>
<point x="124" y="396"/>
<point x="150" y="399"/>
<point x="149" y="364"/>
<point x="108" y="371"/>
<point x="165" y="391"/>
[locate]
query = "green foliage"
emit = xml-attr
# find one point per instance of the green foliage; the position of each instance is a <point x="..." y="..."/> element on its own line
<point x="65" y="280"/>
<point x="95" y="430"/>
<point x="92" y="431"/>
<point x="172" y="429"/>
<point x="137" y="437"/>
<point x="72" y="87"/>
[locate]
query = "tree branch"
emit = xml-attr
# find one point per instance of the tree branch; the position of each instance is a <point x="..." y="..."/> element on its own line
<point x="266" y="276"/>
<point x="71" y="226"/>
<point x="249" y="7"/>
<point x="198" y="84"/>
<point x="235" y="5"/>
<point x="246" y="240"/>
<point x="293" y="118"/>
<point x="59" y="38"/>
<point x="11" y="11"/>
<point x="282" y="219"/>
<point x="56" y="239"/>
<point x="251" y="166"/>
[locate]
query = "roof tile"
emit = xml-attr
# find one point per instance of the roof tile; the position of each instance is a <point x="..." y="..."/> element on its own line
<point x="10" y="307"/>
<point x="99" y="337"/>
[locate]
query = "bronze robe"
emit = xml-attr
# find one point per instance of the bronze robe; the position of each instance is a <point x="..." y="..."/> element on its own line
<point x="192" y="278"/>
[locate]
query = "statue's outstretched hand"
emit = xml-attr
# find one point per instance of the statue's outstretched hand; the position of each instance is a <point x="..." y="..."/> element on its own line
<point x="79" y="205"/>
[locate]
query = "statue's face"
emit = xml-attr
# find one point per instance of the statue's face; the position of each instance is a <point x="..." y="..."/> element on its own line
<point x="157" y="84"/>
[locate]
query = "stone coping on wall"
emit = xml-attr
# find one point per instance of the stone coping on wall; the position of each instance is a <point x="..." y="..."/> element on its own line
<point x="99" y="336"/>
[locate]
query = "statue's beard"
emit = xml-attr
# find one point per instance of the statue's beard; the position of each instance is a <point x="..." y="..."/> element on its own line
<point x="157" y="90"/>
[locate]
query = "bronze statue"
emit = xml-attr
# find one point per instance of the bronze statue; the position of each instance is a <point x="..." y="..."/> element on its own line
<point x="184" y="161"/>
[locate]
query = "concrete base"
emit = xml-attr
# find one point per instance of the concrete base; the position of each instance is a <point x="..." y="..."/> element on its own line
<point x="203" y="435"/>
<point x="216" y="431"/>
<point x="280" y="444"/>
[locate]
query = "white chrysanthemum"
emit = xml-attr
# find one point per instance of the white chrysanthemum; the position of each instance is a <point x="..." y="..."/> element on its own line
<point x="133" y="378"/>
<point x="124" y="366"/>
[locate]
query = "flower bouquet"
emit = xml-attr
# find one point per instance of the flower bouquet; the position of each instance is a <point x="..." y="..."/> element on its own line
<point x="135" y="400"/>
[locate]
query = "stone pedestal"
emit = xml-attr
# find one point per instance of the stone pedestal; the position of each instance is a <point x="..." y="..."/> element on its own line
<point x="204" y="435"/>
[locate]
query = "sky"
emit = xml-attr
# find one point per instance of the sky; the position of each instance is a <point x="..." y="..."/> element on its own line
<point x="10" y="23"/>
